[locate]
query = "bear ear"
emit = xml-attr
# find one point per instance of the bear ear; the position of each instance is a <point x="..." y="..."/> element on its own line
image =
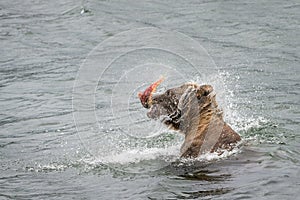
<point x="204" y="90"/>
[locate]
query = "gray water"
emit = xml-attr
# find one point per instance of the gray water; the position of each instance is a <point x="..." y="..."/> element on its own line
<point x="255" y="46"/>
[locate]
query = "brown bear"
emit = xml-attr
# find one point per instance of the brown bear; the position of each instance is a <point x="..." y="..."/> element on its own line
<point x="192" y="110"/>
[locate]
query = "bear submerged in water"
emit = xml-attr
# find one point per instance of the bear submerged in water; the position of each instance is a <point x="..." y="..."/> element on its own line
<point x="192" y="110"/>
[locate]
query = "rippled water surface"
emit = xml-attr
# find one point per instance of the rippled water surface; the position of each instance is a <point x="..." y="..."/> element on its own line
<point x="255" y="47"/>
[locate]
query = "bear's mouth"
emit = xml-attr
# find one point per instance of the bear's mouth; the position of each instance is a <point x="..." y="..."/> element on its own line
<point x="162" y="105"/>
<point x="146" y="96"/>
<point x="155" y="111"/>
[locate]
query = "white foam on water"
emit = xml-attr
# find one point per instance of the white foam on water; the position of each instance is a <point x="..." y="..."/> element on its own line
<point x="137" y="155"/>
<point x="211" y="156"/>
<point x="47" y="167"/>
<point x="169" y="154"/>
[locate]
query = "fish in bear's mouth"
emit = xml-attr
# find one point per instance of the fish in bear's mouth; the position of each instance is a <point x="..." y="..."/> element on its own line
<point x="162" y="104"/>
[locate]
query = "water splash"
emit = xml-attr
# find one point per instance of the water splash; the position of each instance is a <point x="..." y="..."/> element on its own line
<point x="38" y="167"/>
<point x="139" y="155"/>
<point x="110" y="120"/>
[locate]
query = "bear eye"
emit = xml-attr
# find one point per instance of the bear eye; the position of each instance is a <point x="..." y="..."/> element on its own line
<point x="168" y="92"/>
<point x="206" y="92"/>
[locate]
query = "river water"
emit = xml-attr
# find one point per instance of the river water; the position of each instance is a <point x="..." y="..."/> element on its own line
<point x="49" y="146"/>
